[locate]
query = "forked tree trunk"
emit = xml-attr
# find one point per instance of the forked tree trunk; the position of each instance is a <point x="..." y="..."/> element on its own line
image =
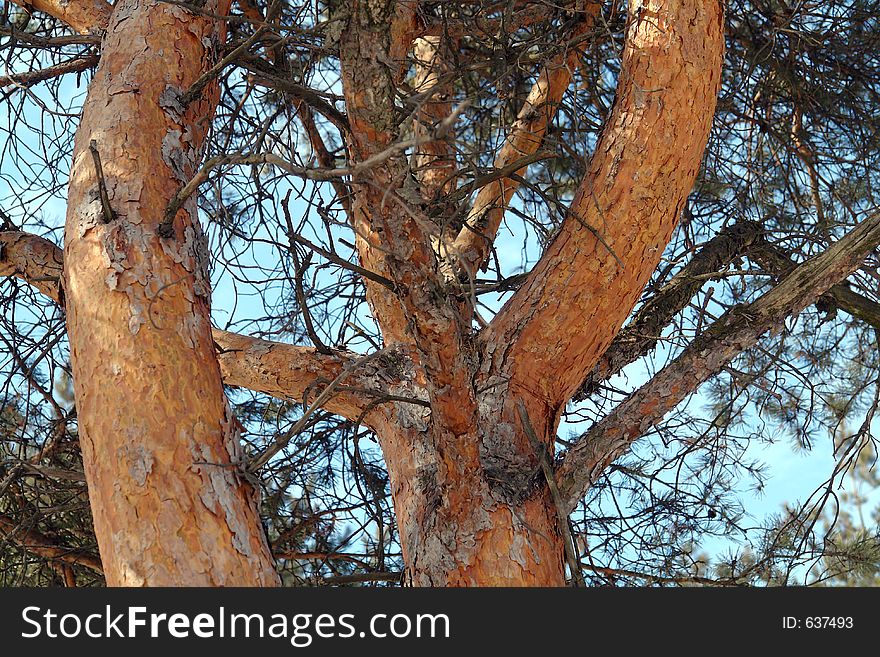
<point x="472" y="503"/>
<point x="159" y="442"/>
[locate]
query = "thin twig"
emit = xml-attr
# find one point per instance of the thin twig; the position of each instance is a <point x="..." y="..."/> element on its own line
<point x="547" y="469"/>
<point x="354" y="171"/>
<point x="109" y="214"/>
<point x="496" y="174"/>
<point x="335" y="259"/>
<point x="299" y="287"/>
<point x="310" y="97"/>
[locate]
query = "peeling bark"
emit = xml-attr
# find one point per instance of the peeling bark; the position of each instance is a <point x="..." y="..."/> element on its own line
<point x="425" y="309"/>
<point x="478" y="512"/>
<point x="471" y="503"/>
<point x="433" y="161"/>
<point x="168" y="505"/>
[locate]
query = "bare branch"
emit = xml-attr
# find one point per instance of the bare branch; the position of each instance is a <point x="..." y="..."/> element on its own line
<point x="777" y="262"/>
<point x="642" y="333"/>
<point x="737" y="330"/>
<point x="42" y="546"/>
<point x="28" y="78"/>
<point x="474" y="241"/>
<point x="84" y="16"/>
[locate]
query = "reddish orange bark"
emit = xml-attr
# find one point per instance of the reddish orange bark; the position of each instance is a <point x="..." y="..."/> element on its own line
<point x="558" y="324"/>
<point x="84" y="16"/>
<point x="158" y="439"/>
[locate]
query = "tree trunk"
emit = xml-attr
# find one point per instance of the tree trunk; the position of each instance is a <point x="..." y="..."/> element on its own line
<point x="479" y="512"/>
<point x="159" y="442"/>
<point x="472" y="505"/>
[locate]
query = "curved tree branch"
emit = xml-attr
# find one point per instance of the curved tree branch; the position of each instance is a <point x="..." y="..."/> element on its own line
<point x="33" y="259"/>
<point x="558" y="324"/>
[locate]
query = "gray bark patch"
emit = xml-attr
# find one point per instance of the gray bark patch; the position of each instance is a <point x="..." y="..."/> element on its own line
<point x="511" y="475"/>
<point x="139" y="462"/>
<point x="170" y="101"/>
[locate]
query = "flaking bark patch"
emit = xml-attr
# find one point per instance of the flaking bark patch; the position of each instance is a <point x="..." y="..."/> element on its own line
<point x="139" y="460"/>
<point x="512" y="476"/>
<point x="218" y="482"/>
<point x="170" y="101"/>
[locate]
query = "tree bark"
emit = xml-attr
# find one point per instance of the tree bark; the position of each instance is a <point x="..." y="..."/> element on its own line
<point x="159" y="442"/>
<point x="559" y="323"/>
<point x="471" y="502"/>
<point x="476" y="511"/>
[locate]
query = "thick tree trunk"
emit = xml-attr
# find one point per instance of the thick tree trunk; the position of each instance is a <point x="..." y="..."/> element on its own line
<point x="479" y="512"/>
<point x="158" y="440"/>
